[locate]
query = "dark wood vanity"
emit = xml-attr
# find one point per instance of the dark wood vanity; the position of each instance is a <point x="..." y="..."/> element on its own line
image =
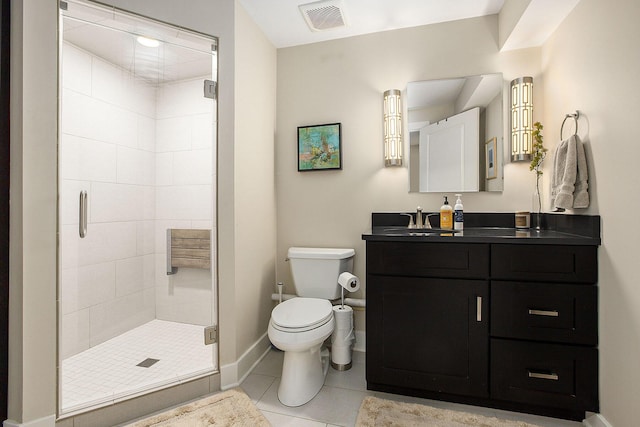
<point x="493" y="316"/>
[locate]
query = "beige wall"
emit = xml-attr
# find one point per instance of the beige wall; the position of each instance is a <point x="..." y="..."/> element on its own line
<point x="32" y="289"/>
<point x="343" y="81"/>
<point x="591" y="64"/>
<point x="255" y="205"/>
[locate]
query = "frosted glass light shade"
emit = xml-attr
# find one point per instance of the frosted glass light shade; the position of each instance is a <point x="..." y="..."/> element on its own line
<point x="521" y="119"/>
<point x="392" y="101"/>
<point x="148" y="42"/>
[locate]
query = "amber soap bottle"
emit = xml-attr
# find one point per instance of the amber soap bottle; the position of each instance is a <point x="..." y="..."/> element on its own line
<point x="446" y="215"/>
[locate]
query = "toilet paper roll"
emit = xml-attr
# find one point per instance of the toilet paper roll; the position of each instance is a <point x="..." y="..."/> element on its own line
<point x="348" y="281"/>
<point x="342" y="337"/>
<point x="343" y="318"/>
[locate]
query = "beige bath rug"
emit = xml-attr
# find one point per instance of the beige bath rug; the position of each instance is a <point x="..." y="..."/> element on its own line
<point x="229" y="408"/>
<point x="376" y="412"/>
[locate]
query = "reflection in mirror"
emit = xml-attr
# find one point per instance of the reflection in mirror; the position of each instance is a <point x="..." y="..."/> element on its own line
<point x="455" y="134"/>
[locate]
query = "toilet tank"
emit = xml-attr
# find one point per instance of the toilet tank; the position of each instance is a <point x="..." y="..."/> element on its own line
<point x="315" y="271"/>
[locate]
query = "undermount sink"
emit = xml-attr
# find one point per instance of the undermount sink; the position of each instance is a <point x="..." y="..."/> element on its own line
<point x="404" y="231"/>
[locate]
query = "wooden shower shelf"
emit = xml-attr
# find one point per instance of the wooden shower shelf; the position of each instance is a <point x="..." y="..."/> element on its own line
<point x="188" y="248"/>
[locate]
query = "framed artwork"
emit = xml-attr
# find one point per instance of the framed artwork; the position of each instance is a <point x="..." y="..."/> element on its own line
<point x="490" y="154"/>
<point x="319" y="147"/>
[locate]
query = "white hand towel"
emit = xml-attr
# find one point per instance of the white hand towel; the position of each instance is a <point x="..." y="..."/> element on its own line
<point x="580" y="194"/>
<point x="569" y="179"/>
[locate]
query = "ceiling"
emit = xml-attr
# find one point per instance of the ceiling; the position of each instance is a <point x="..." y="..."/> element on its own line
<point x="112" y="34"/>
<point x="284" y="25"/>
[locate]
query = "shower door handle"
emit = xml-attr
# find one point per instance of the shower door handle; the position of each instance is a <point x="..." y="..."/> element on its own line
<point x="83" y="214"/>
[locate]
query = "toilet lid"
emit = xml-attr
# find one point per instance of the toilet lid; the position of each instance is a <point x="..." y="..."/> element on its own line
<point x="302" y="313"/>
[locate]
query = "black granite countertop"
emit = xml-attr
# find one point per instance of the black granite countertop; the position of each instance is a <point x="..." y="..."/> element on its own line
<point x="557" y="229"/>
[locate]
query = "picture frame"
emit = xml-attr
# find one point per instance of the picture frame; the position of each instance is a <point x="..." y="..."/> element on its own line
<point x="490" y="155"/>
<point x="319" y="147"/>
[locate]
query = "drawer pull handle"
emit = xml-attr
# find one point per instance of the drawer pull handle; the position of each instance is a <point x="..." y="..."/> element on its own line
<point x="548" y="313"/>
<point x="543" y="376"/>
<point x="478" y="309"/>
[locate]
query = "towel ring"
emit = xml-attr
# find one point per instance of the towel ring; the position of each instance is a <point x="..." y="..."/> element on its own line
<point x="575" y="116"/>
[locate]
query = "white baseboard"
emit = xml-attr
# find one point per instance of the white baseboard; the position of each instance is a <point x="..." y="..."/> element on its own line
<point x="596" y="420"/>
<point x="229" y="376"/>
<point x="48" y="421"/>
<point x="232" y="374"/>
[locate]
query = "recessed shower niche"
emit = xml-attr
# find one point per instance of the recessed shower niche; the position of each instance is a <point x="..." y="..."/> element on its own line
<point x="136" y="157"/>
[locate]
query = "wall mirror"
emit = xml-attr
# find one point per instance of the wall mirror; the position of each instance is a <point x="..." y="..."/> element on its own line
<point x="455" y="134"/>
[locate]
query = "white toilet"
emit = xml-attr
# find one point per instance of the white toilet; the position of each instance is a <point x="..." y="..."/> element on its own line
<point x="300" y="325"/>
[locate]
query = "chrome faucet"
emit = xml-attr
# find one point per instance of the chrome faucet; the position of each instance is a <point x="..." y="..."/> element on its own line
<point x="421" y="221"/>
<point x="427" y="223"/>
<point x="411" y="223"/>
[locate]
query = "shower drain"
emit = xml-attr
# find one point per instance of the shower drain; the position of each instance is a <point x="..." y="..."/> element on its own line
<point x="147" y="362"/>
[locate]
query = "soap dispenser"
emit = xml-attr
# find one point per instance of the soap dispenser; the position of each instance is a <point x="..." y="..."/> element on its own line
<point x="446" y="215"/>
<point x="458" y="215"/>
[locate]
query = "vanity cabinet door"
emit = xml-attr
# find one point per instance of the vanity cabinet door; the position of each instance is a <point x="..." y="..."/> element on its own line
<point x="428" y="334"/>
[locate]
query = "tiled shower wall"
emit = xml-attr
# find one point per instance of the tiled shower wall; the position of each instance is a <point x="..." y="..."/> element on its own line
<point x="184" y="188"/>
<point x="128" y="143"/>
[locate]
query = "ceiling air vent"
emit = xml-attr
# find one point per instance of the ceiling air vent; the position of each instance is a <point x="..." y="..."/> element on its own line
<point x="324" y="15"/>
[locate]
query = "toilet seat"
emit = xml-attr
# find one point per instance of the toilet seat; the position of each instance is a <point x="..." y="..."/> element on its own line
<point x="301" y="314"/>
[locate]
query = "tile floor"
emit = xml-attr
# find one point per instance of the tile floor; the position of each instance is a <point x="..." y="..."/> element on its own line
<point x="338" y="402"/>
<point x="109" y="371"/>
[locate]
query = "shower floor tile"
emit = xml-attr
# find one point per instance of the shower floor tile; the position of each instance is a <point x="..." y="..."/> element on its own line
<point x="109" y="371"/>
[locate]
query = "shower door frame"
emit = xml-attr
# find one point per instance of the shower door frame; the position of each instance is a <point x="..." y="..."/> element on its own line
<point x="5" y="21"/>
<point x="215" y="352"/>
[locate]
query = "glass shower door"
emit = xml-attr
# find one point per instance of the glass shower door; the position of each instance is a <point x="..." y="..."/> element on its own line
<point x="136" y="158"/>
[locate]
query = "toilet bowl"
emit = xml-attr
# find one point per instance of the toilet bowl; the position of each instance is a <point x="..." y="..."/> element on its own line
<point x="298" y="327"/>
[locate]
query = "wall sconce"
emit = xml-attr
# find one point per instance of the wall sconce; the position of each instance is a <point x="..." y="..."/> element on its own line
<point x="521" y="119"/>
<point x="392" y="101"/>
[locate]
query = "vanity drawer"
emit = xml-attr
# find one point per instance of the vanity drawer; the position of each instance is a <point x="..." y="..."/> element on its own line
<point x="422" y="259"/>
<point x="551" y="263"/>
<point x="551" y="375"/>
<point x="545" y="312"/>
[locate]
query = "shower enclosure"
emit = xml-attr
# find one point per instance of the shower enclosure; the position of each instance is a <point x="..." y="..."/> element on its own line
<point x="136" y="158"/>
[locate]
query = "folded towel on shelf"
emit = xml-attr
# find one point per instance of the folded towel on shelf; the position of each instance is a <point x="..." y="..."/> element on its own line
<point x="569" y="181"/>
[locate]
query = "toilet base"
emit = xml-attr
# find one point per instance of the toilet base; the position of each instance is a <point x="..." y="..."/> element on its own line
<point x="303" y="375"/>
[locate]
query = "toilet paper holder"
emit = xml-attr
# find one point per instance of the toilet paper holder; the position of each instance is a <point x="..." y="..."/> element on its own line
<point x="349" y="282"/>
<point x="343" y="334"/>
